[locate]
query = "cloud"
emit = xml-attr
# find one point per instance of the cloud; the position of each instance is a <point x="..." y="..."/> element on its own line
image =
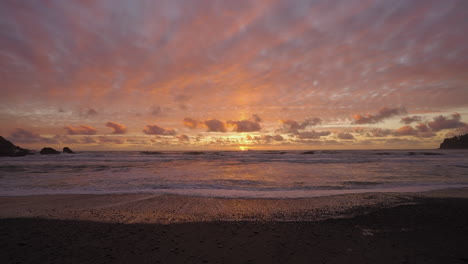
<point x="81" y="130"/>
<point x="88" y="140"/>
<point x="113" y="140"/>
<point x="245" y="126"/>
<point x="214" y="125"/>
<point x="383" y="113"/>
<point x="157" y="130"/>
<point x="405" y="131"/>
<point x="256" y="118"/>
<point x="421" y="131"/>
<point x="91" y="112"/>
<point x="458" y="131"/>
<point x="292" y="126"/>
<point x="64" y="139"/>
<point x="426" y="130"/>
<point x="266" y="138"/>
<point x="183" y="138"/>
<point x="312" y="134"/>
<point x="441" y="122"/>
<point x="278" y="138"/>
<point x="191" y="123"/>
<point x="24" y="136"/>
<point x="156" y="110"/>
<point x="345" y="135"/>
<point x="422" y="127"/>
<point x="410" y="119"/>
<point x="379" y="132"/>
<point x="118" y="128"/>
<point x="86" y="113"/>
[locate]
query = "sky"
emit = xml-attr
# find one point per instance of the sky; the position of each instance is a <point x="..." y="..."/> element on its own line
<point x="223" y="74"/>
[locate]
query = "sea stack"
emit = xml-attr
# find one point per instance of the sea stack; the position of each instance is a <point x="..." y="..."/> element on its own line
<point x="48" y="151"/>
<point x="68" y="150"/>
<point x="458" y="142"/>
<point x="8" y="149"/>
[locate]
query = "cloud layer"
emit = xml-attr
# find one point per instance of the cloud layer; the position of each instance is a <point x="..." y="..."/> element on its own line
<point x="79" y="64"/>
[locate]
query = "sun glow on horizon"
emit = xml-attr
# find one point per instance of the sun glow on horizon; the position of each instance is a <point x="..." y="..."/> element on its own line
<point x="243" y="148"/>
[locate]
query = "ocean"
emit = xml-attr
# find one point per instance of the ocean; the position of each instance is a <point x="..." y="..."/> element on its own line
<point x="235" y="174"/>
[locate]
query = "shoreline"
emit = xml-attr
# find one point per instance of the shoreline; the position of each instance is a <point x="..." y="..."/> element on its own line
<point x="427" y="227"/>
<point x="167" y="209"/>
<point x="424" y="227"/>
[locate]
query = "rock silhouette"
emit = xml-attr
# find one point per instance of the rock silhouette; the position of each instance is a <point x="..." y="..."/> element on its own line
<point x="68" y="150"/>
<point x="458" y="142"/>
<point x="8" y="149"/>
<point x="48" y="151"/>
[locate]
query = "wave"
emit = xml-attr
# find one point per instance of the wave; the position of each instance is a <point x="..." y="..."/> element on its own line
<point x="151" y="153"/>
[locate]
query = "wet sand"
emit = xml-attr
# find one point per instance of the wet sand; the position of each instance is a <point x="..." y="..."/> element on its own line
<point x="429" y="227"/>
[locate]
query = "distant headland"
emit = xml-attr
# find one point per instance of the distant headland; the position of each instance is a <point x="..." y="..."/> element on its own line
<point x="457" y="142"/>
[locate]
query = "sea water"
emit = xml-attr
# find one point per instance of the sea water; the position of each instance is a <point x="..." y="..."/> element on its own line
<point x="256" y="174"/>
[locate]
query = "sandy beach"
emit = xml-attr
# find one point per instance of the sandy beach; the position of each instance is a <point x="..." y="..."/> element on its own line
<point x="427" y="227"/>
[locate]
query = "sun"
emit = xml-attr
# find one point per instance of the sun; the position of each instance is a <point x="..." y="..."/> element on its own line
<point x="243" y="148"/>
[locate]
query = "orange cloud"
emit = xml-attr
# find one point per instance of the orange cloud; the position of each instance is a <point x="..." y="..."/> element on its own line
<point x="81" y="130"/>
<point x="118" y="128"/>
<point x="191" y="123"/>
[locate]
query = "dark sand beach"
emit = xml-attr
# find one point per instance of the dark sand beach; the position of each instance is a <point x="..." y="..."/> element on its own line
<point x="428" y="227"/>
